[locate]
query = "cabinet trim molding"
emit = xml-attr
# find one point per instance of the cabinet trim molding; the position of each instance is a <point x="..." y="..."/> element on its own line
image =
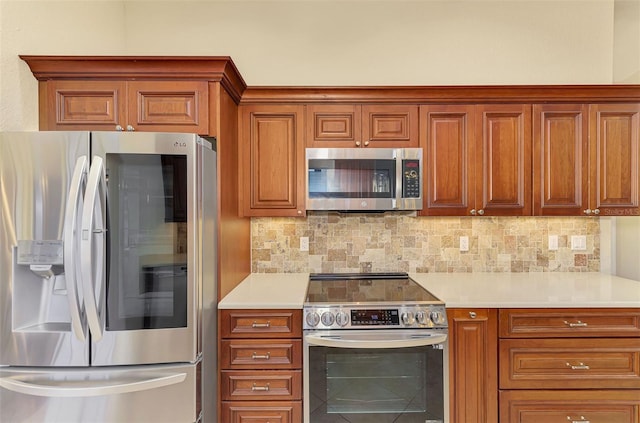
<point x="458" y="94"/>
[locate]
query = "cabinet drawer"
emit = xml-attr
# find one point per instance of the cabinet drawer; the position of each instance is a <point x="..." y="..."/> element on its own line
<point x="543" y="323"/>
<point x="261" y="354"/>
<point x="256" y="385"/>
<point x="570" y="406"/>
<point x="261" y="324"/>
<point x="569" y="363"/>
<point x="262" y="412"/>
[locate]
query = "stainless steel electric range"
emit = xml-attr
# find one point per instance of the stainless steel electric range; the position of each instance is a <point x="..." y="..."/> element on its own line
<point x="375" y="349"/>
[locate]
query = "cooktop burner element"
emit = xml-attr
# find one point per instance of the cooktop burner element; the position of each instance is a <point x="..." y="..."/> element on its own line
<point x="370" y="301"/>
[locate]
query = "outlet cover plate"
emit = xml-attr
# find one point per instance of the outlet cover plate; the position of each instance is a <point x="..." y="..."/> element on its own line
<point x="578" y="242"/>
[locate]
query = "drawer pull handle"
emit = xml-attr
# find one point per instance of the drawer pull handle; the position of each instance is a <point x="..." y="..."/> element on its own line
<point x="256" y="356"/>
<point x="578" y="324"/>
<point x="261" y="325"/>
<point x="580" y="366"/>
<point x="260" y="388"/>
<point x="582" y="420"/>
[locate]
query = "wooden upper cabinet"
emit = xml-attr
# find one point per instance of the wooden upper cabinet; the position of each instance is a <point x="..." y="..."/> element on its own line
<point x="477" y="159"/>
<point x="448" y="141"/>
<point x="503" y="160"/>
<point x="334" y="126"/>
<point x="586" y="159"/>
<point x="134" y="93"/>
<point x="560" y="159"/>
<point x="614" y="159"/>
<point x="83" y="105"/>
<point x="352" y="126"/>
<point x="171" y="106"/>
<point x="272" y="160"/>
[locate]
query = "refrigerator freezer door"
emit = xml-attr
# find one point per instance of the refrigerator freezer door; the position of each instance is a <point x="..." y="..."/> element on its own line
<point x="161" y="393"/>
<point x="36" y="169"/>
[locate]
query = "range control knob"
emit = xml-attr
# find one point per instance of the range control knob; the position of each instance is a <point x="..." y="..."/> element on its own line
<point x="421" y="317"/>
<point x="408" y="318"/>
<point x="438" y="317"/>
<point x="342" y="318"/>
<point x="327" y="318"/>
<point x="312" y="319"/>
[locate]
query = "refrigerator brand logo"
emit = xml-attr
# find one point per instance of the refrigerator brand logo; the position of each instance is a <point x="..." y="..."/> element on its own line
<point x="179" y="144"/>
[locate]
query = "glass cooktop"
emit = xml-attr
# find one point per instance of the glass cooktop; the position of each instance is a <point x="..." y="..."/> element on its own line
<point x="344" y="288"/>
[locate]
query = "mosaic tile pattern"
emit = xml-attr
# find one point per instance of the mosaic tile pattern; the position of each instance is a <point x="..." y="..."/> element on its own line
<point x="398" y="243"/>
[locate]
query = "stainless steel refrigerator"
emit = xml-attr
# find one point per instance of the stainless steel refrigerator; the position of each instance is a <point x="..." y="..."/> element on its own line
<point x="107" y="277"/>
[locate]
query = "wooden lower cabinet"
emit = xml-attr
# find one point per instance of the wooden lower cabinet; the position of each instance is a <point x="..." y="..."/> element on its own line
<point x="260" y="360"/>
<point x="569" y="365"/>
<point x="261" y="412"/>
<point x="574" y="406"/>
<point x="473" y="373"/>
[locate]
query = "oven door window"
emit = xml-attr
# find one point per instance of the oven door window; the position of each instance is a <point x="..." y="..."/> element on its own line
<point x="147" y="279"/>
<point x="395" y="385"/>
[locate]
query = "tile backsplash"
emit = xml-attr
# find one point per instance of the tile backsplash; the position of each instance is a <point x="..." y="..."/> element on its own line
<point x="394" y="242"/>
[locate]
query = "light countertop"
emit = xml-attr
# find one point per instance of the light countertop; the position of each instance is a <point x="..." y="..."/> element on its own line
<point x="460" y="290"/>
<point x="269" y="291"/>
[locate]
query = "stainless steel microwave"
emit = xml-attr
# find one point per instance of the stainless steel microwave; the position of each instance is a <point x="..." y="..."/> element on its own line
<point x="364" y="179"/>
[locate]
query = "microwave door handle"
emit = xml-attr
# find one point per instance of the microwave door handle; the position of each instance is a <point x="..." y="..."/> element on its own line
<point x="70" y="238"/>
<point x="92" y="279"/>
<point x="88" y="388"/>
<point x="374" y="340"/>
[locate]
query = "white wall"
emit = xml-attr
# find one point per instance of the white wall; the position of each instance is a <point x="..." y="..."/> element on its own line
<point x="626" y="45"/>
<point x="628" y="247"/>
<point x="339" y="42"/>
<point x="315" y="42"/>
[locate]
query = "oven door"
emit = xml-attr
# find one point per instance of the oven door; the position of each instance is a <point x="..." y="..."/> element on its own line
<point x="376" y="375"/>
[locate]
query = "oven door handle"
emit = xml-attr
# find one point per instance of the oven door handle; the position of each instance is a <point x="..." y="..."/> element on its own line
<point x="371" y="339"/>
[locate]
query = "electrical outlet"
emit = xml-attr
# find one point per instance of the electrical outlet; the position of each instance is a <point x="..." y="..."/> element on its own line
<point x="553" y="242"/>
<point x="304" y="243"/>
<point x="464" y="243"/>
<point x="578" y="242"/>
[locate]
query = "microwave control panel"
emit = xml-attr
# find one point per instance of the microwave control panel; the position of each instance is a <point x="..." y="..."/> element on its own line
<point x="411" y="178"/>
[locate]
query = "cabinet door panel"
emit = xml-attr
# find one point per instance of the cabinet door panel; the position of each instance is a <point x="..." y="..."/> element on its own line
<point x="260" y="385"/>
<point x="615" y="158"/>
<point x="569" y="323"/>
<point x="560" y="406"/>
<point x="333" y="126"/>
<point x="261" y="412"/>
<point x="446" y="139"/>
<point x="273" y="160"/>
<point x="260" y="323"/>
<point x="560" y="159"/>
<point x="83" y="105"/>
<point x="473" y="361"/>
<point x="390" y="126"/>
<point x="176" y="106"/>
<point x="503" y="160"/>
<point x="569" y="363"/>
<point x="261" y="354"/>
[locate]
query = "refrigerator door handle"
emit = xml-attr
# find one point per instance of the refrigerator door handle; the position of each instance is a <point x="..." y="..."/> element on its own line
<point x="46" y="387"/>
<point x="70" y="238"/>
<point x="92" y="262"/>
